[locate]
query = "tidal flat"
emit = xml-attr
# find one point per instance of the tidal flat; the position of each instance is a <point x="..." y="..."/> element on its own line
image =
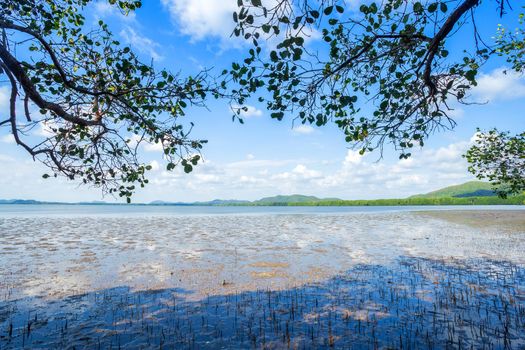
<point x="109" y="277"/>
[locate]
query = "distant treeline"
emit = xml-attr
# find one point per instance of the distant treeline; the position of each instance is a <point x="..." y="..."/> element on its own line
<point x="492" y="200"/>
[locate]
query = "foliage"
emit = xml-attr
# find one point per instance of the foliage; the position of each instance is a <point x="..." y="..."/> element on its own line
<point x="512" y="45"/>
<point x="500" y="158"/>
<point x="391" y="57"/>
<point x="95" y="100"/>
<point x="463" y="194"/>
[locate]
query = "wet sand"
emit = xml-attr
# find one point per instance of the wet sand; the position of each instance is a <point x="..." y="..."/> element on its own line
<point x="508" y="220"/>
<point x="57" y="257"/>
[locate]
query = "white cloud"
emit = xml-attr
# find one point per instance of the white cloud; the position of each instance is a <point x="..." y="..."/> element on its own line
<point x="203" y="18"/>
<point x="5" y="158"/>
<point x="7" y="138"/>
<point x="147" y="146"/>
<point x="45" y="129"/>
<point x="4" y="99"/>
<point x="500" y="84"/>
<point x="154" y="165"/>
<point x="250" y="111"/>
<point x="152" y="147"/>
<point x="214" y="19"/>
<point x="306" y="173"/>
<point x="299" y="173"/>
<point x="141" y="43"/>
<point x="303" y="129"/>
<point x="249" y="179"/>
<point x="352" y="158"/>
<point x="426" y="170"/>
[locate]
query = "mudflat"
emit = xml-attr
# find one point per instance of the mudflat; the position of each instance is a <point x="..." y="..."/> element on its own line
<point x="368" y="277"/>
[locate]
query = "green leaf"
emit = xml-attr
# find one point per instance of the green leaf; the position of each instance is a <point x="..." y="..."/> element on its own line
<point x="277" y="115"/>
<point x="314" y="14"/>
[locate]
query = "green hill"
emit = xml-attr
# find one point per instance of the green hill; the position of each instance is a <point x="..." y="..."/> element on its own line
<point x="468" y="189"/>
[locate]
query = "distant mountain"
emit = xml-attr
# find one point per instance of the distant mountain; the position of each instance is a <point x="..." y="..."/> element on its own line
<point x="468" y="189"/>
<point x="294" y="198"/>
<point x="20" y="201"/>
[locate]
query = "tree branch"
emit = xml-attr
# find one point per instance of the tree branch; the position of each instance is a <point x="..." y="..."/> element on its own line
<point x="11" y="64"/>
<point x="440" y="36"/>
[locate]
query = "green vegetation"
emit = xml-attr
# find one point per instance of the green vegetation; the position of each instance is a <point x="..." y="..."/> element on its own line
<point x="467" y="189"/>
<point x="469" y="193"/>
<point x="492" y="200"/>
<point x="499" y="157"/>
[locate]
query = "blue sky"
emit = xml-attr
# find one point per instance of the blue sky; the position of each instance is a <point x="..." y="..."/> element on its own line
<point x="267" y="157"/>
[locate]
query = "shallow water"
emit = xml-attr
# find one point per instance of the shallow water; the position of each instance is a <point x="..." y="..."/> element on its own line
<point x="81" y="274"/>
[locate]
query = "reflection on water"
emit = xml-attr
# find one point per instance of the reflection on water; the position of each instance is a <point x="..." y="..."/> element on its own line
<point x="415" y="303"/>
<point x="378" y="278"/>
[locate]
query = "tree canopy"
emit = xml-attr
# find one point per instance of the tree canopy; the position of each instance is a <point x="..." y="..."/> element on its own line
<point x="385" y="74"/>
<point x="500" y="158"/>
<point x="95" y="99"/>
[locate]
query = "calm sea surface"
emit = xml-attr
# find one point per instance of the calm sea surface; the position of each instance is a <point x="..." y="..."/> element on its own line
<point x="10" y="210"/>
<point x="62" y="267"/>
